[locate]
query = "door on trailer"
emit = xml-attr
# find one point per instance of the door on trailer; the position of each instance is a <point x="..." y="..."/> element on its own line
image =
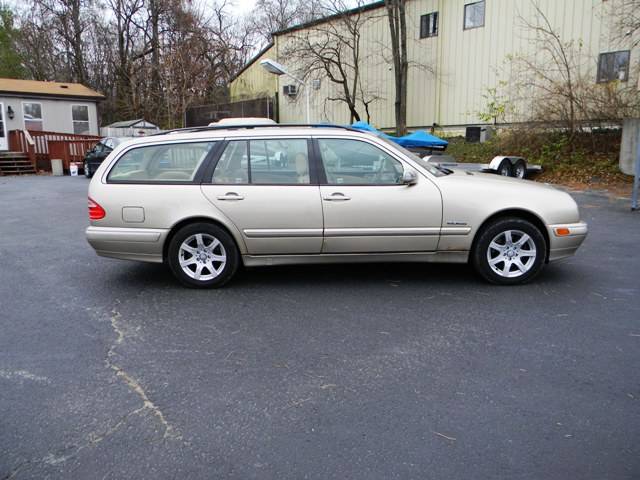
<point x="4" y="144"/>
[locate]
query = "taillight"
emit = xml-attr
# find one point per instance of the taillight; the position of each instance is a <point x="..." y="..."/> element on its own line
<point x="96" y="212"/>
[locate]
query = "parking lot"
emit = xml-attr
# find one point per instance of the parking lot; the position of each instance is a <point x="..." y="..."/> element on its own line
<point x="110" y="369"/>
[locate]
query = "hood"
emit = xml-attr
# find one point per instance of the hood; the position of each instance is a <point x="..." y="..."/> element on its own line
<point x="478" y="193"/>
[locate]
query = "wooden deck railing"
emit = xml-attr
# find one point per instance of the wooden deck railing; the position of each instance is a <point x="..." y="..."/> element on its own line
<point x="41" y="146"/>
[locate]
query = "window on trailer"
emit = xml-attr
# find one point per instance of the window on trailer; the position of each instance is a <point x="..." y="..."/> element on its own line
<point x="32" y="114"/>
<point x="80" y="118"/>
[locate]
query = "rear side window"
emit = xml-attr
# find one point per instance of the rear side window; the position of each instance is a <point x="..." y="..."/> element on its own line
<point x="352" y="162"/>
<point x="233" y="166"/>
<point x="177" y="162"/>
<point x="264" y="162"/>
<point x="279" y="161"/>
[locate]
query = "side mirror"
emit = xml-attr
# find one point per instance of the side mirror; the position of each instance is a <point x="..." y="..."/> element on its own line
<point x="409" y="177"/>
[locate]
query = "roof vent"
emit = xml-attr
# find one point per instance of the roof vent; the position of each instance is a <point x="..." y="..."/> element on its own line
<point x="64" y="86"/>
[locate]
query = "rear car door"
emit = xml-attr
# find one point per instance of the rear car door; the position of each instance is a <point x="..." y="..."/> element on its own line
<point x="266" y="188"/>
<point x="367" y="208"/>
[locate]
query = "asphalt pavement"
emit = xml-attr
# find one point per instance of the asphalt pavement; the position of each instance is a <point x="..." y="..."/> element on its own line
<point x="110" y="369"/>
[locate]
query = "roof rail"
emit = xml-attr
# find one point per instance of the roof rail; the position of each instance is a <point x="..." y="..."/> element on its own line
<point x="243" y="127"/>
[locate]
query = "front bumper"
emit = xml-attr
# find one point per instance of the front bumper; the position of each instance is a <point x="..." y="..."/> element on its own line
<point x="142" y="244"/>
<point x="565" y="239"/>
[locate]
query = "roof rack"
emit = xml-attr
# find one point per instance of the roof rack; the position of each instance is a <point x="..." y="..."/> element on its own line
<point x="242" y="127"/>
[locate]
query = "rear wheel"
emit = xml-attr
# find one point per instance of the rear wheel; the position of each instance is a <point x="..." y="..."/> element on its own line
<point x="520" y="169"/>
<point x="202" y="255"/>
<point x="509" y="251"/>
<point x="87" y="170"/>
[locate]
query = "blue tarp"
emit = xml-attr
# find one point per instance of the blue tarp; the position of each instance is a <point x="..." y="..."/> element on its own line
<point x="419" y="139"/>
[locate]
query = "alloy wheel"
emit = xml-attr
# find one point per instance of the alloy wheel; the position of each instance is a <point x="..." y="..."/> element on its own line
<point x="511" y="253"/>
<point x="202" y="257"/>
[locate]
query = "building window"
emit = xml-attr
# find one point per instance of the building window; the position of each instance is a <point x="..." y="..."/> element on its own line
<point x="474" y="15"/>
<point x="429" y="25"/>
<point x="32" y="114"/>
<point x="613" y="66"/>
<point x="80" y="118"/>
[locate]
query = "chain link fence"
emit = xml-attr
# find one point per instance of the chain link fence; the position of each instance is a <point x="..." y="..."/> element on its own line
<point x="203" y="115"/>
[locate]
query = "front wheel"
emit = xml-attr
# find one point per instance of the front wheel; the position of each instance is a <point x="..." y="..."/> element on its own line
<point x="87" y="170"/>
<point x="202" y="255"/>
<point x="509" y="251"/>
<point x="504" y="168"/>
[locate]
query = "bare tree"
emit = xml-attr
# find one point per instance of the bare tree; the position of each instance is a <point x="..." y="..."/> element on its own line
<point x="397" y="17"/>
<point x="333" y="49"/>
<point x="553" y="72"/>
<point x="626" y="18"/>
<point x="150" y="58"/>
<point x="70" y="23"/>
<point x="558" y="82"/>
<point x="269" y="16"/>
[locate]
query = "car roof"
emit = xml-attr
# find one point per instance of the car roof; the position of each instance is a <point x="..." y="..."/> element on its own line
<point x="248" y="131"/>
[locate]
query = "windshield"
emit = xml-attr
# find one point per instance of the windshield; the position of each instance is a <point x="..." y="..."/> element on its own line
<point x="431" y="168"/>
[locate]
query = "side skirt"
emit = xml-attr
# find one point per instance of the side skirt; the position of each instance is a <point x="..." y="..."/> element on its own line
<point x="420" y="257"/>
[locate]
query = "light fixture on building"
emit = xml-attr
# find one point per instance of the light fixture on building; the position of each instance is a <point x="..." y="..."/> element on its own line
<point x="10" y="112"/>
<point x="274" y="67"/>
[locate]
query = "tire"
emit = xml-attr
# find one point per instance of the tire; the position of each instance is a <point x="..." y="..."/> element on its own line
<point x="504" y="169"/>
<point x="520" y="169"/>
<point x="87" y="170"/>
<point x="204" y="248"/>
<point x="496" y="259"/>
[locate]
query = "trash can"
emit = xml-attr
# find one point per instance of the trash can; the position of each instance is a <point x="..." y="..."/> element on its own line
<point x="56" y="167"/>
<point x="73" y="170"/>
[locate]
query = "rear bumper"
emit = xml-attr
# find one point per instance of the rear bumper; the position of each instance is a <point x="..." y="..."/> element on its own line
<point x="142" y="244"/>
<point x="566" y="245"/>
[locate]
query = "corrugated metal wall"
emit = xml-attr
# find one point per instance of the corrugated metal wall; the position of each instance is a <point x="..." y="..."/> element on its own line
<point x="254" y="81"/>
<point x="450" y="73"/>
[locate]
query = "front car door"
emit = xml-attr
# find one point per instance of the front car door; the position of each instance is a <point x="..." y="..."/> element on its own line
<point x="367" y="208"/>
<point x="266" y="188"/>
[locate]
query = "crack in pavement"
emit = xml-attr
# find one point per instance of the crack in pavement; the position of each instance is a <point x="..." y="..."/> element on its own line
<point x="169" y="431"/>
<point x="68" y="453"/>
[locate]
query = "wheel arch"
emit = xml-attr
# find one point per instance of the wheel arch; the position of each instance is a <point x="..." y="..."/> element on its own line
<point x="517" y="213"/>
<point x="201" y="219"/>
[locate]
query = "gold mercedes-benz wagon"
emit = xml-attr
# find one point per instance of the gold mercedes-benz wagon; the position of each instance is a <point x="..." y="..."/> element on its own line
<point x="206" y="200"/>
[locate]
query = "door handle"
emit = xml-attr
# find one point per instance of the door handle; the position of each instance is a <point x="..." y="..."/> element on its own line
<point x="337" y="197"/>
<point x="230" y="196"/>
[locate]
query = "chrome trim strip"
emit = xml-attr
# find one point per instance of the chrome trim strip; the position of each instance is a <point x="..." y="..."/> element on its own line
<point x="455" y="230"/>
<point x="282" y="232"/>
<point x="114" y="234"/>
<point x="354" y="232"/>
<point x="380" y="232"/>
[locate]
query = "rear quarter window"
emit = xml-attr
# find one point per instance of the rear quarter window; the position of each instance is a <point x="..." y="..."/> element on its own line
<point x="177" y="162"/>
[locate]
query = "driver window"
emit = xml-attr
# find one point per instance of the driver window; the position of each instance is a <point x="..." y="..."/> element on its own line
<point x="353" y="162"/>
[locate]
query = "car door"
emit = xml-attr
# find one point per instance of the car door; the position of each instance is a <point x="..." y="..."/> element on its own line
<point x="368" y="208"/>
<point x="266" y="188"/>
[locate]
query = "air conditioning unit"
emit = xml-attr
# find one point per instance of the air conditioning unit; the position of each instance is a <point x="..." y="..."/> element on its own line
<point x="291" y="90"/>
